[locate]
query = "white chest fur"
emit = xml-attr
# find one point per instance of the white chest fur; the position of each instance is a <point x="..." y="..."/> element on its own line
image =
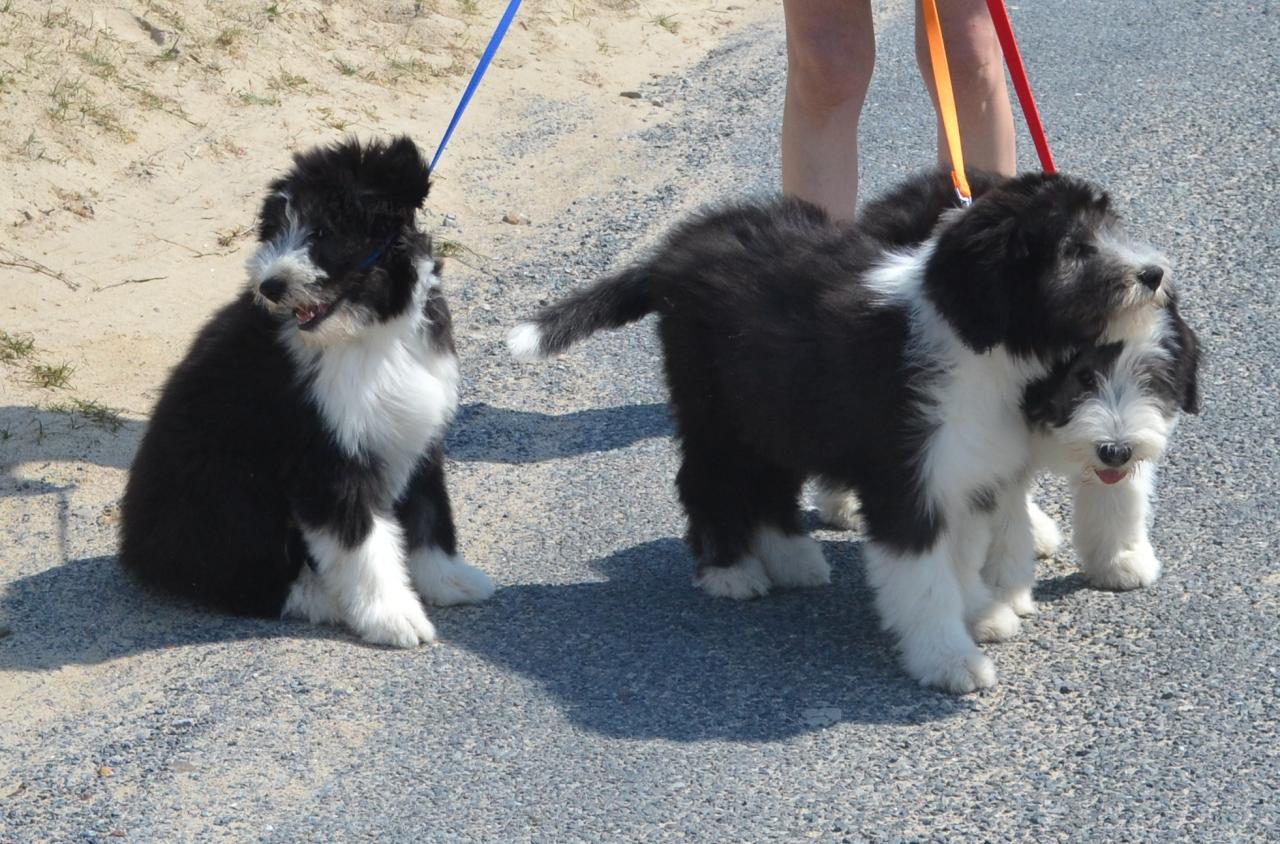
<point x="981" y="439"/>
<point x="387" y="394"/>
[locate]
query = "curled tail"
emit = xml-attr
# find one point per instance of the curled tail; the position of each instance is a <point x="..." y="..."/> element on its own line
<point x="609" y="303"/>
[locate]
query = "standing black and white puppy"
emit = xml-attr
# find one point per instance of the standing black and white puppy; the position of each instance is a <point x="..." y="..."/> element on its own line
<point x="797" y="348"/>
<point x="293" y="463"/>
<point x="1102" y="419"/>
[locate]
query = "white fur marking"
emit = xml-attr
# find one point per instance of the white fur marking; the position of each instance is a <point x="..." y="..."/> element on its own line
<point x="1110" y="530"/>
<point x="386" y="392"/>
<point x="524" y="341"/>
<point x="791" y="561"/>
<point x="309" y="600"/>
<point x="837" y="507"/>
<point x="919" y="601"/>
<point x="445" y="580"/>
<point x="743" y="580"/>
<point x="370" y="585"/>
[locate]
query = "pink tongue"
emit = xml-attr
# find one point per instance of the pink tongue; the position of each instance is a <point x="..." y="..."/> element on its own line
<point x="1110" y="476"/>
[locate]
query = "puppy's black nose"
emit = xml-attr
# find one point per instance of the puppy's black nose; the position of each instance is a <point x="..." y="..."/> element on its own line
<point x="1150" y="276"/>
<point x="1114" y="454"/>
<point x="272" y="289"/>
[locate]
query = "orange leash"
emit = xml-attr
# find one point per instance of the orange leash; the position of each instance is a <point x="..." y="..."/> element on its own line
<point x="946" y="99"/>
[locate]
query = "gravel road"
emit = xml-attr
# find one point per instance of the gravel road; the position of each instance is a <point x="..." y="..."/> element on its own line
<point x="598" y="697"/>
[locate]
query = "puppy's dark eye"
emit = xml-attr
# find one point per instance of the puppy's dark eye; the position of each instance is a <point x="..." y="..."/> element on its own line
<point x="317" y="235"/>
<point x="1082" y="249"/>
<point x="1087" y="379"/>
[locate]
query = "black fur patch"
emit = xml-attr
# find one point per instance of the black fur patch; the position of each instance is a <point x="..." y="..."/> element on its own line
<point x="994" y="274"/>
<point x="1052" y="399"/>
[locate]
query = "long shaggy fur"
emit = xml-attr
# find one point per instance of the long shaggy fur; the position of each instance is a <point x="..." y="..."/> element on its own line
<point x="293" y="462"/>
<point x="797" y="348"/>
<point x="1102" y="419"/>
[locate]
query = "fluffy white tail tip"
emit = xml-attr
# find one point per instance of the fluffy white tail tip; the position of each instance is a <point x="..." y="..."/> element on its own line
<point x="525" y="343"/>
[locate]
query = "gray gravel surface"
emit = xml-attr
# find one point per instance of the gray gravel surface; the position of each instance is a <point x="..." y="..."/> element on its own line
<point x="598" y="696"/>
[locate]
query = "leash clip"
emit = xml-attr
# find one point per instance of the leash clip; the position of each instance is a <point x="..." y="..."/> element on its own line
<point x="962" y="190"/>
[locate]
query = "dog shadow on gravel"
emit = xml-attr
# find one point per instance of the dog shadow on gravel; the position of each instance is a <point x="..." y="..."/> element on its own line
<point x="88" y="612"/>
<point x="487" y="434"/>
<point x="645" y="655"/>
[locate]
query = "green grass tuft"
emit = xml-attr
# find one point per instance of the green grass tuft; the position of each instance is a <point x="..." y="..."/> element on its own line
<point x="50" y="376"/>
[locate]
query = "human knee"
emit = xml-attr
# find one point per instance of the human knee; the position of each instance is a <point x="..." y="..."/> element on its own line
<point x="973" y="54"/>
<point x="829" y="70"/>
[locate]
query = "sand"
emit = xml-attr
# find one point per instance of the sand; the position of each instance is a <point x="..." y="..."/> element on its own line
<point x="146" y="132"/>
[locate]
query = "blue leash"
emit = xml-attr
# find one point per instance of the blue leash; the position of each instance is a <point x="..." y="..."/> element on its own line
<point x="489" y="52"/>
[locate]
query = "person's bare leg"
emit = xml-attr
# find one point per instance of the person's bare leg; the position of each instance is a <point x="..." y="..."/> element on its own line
<point x="830" y="57"/>
<point x="977" y="78"/>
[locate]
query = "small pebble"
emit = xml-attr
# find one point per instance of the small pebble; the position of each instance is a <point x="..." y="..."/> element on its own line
<point x="515" y="218"/>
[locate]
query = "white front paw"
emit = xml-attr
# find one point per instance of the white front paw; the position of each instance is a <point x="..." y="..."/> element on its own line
<point x="397" y="620"/>
<point x="998" y="623"/>
<point x="1022" y="603"/>
<point x="444" y="580"/>
<point x="1131" y="568"/>
<point x="960" y="673"/>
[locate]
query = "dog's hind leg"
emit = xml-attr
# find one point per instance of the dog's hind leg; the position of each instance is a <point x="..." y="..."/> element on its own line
<point x="744" y="523"/>
<point x="309" y="599"/>
<point x="439" y="574"/>
<point x="922" y="603"/>
<point x="837" y="506"/>
<point x="1110" y="530"/>
<point x="1044" y="530"/>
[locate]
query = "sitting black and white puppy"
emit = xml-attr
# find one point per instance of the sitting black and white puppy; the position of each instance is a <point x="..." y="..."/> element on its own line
<point x="293" y="463"/>
<point x="798" y="348"/>
<point x="1102" y="419"/>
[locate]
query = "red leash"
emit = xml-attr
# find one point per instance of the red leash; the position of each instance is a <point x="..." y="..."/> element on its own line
<point x="1012" y="58"/>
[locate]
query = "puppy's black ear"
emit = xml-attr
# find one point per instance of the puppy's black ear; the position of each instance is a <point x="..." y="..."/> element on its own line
<point x="970" y="274"/>
<point x="1186" y="357"/>
<point x="1038" y="399"/>
<point x="397" y="172"/>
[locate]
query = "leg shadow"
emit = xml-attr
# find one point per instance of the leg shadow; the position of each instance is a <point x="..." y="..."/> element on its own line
<point x="1054" y="589"/>
<point x="645" y="655"/>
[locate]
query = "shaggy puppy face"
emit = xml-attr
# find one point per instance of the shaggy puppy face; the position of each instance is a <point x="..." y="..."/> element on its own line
<point x="1041" y="262"/>
<point x="1111" y="407"/>
<point x="332" y="233"/>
